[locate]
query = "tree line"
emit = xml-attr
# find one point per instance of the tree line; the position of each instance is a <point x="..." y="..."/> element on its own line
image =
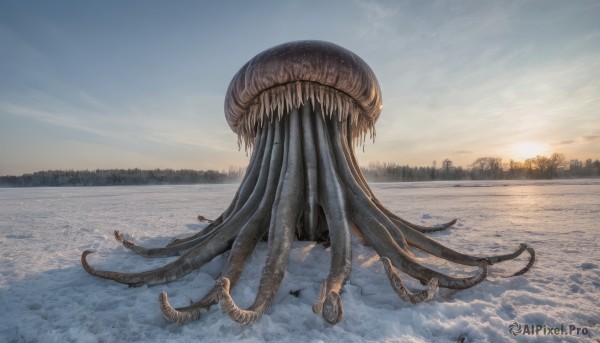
<point x="487" y="168"/>
<point x="483" y="168"/>
<point x="120" y="177"/>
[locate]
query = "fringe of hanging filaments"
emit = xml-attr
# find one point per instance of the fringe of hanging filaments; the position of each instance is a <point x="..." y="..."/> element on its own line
<point x="277" y="101"/>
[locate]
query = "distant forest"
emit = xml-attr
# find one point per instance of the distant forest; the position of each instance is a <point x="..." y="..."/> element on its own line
<point x="487" y="168"/>
<point x="120" y="177"/>
<point x="483" y="168"/>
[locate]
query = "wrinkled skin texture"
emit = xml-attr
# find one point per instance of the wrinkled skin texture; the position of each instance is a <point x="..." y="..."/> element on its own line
<point x="303" y="182"/>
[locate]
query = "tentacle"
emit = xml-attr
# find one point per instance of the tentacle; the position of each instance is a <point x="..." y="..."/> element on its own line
<point x="286" y="211"/>
<point x="311" y="210"/>
<point x="371" y="209"/>
<point x="417" y="239"/>
<point x="523" y="247"/>
<point x="242" y="247"/>
<point x="422" y="242"/>
<point x="333" y="196"/>
<point x="248" y="188"/>
<point x="424" y="229"/>
<point x="435" y="248"/>
<point x="413" y="233"/>
<point x="403" y="292"/>
<point x="318" y="306"/>
<point x="204" y="250"/>
<point x="344" y="167"/>
<point x="237" y="218"/>
<point x="244" y="191"/>
<point x="185" y="314"/>
<point x="348" y="150"/>
<point x="380" y="234"/>
<point x="169" y="250"/>
<point x="174" y="270"/>
<point x="383" y="243"/>
<point x="207" y="229"/>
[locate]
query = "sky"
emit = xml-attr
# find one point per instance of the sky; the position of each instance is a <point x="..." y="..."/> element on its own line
<point x="141" y="84"/>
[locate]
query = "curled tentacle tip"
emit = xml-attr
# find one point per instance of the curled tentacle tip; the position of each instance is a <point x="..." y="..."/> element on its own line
<point x="163" y="300"/>
<point x="118" y="236"/>
<point x="224" y="284"/>
<point x="333" y="311"/>
<point x="84" y="256"/>
<point x="165" y="307"/>
<point x="171" y="314"/>
<point x="87" y="252"/>
<point x="84" y="262"/>
<point x="432" y="285"/>
<point x="530" y="264"/>
<point x="402" y="291"/>
<point x="121" y="238"/>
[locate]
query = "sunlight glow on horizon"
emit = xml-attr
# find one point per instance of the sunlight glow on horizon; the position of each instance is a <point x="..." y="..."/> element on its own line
<point x="524" y="150"/>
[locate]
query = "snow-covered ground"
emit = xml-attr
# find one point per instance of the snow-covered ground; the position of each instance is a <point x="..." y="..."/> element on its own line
<point x="45" y="296"/>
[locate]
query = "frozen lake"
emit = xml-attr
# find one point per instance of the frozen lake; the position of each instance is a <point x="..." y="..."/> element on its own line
<point x="45" y="295"/>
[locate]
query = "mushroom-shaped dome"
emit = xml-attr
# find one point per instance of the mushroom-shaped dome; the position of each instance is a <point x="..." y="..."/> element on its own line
<point x="287" y="75"/>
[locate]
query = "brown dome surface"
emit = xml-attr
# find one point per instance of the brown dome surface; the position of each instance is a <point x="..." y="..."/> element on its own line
<point x="297" y="71"/>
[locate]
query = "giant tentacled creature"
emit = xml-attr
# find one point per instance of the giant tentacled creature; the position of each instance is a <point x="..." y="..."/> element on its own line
<point x="301" y="108"/>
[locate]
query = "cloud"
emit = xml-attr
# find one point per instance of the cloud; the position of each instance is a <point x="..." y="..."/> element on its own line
<point x="567" y="142"/>
<point x="50" y="117"/>
<point x="169" y="122"/>
<point x="590" y="137"/>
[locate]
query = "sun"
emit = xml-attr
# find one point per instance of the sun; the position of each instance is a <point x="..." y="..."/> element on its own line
<point x="525" y="150"/>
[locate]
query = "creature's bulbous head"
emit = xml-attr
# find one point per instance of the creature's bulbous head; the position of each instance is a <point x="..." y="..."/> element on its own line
<point x="290" y="74"/>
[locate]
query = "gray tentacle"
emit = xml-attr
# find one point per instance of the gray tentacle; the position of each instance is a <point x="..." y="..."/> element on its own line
<point x="381" y="234"/>
<point x="403" y="292"/>
<point x="236" y="218"/>
<point x="381" y="240"/>
<point x="362" y="182"/>
<point x="286" y="211"/>
<point x="242" y="247"/>
<point x="311" y="211"/>
<point x="329" y="304"/>
<point x="343" y="166"/>
<point x="244" y="191"/>
<point x="422" y="242"/>
<point x="204" y="251"/>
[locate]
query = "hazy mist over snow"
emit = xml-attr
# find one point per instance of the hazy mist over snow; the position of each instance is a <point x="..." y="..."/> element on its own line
<point x="46" y="295"/>
<point x="141" y="84"/>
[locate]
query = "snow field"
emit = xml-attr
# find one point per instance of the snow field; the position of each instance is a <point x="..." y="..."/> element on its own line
<point x="45" y="296"/>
